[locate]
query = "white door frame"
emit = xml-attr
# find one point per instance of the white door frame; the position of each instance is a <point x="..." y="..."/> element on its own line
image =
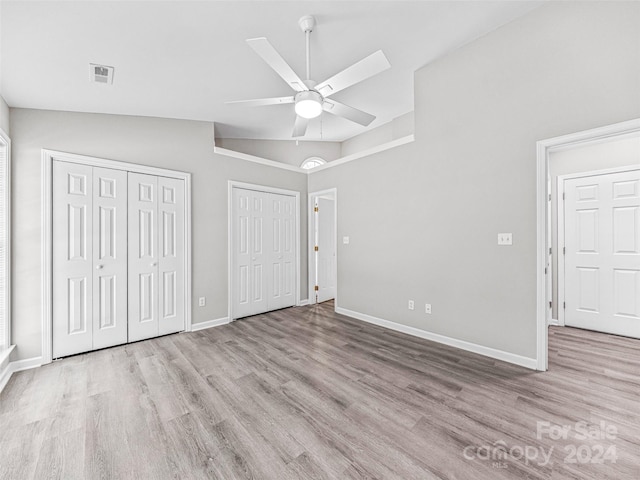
<point x="258" y="188"/>
<point x="311" y="237"/>
<point x="560" y="226"/>
<point x="48" y="156"/>
<point x="544" y="148"/>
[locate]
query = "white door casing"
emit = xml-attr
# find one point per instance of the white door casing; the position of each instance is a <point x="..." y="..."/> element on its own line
<point x="89" y="258"/>
<point x="602" y="259"/>
<point x="263" y="251"/>
<point x="326" y="253"/>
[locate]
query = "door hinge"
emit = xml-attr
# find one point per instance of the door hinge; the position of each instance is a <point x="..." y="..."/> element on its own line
<point x="550" y="305"/>
<point x="563" y="195"/>
<point x="549" y="250"/>
<point x="564" y="305"/>
<point x="564" y="250"/>
<point x="549" y="197"/>
<point x="316" y="288"/>
<point x="545" y="270"/>
<point x="316" y="248"/>
<point x="315" y="209"/>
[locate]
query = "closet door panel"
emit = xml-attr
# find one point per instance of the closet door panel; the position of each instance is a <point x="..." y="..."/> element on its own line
<point x="109" y="257"/>
<point x="282" y="251"/>
<point x="171" y="247"/>
<point x="250" y="235"/>
<point x="72" y="259"/>
<point x="143" y="256"/>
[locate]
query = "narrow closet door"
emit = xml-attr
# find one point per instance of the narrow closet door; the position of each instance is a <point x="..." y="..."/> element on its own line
<point x="171" y="251"/>
<point x="109" y="257"/>
<point x="282" y="253"/>
<point x="249" y="274"/>
<point x="143" y="256"/>
<point x="72" y="259"/>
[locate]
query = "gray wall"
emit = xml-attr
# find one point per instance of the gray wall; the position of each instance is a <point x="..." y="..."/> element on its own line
<point x="423" y="218"/>
<point x="174" y="144"/>
<point x="285" y="151"/>
<point x="616" y="153"/>
<point x="4" y="117"/>
<point x="397" y="128"/>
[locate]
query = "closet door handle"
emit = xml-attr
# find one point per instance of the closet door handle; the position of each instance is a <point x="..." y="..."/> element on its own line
<point x="99" y="267"/>
<point x="153" y="264"/>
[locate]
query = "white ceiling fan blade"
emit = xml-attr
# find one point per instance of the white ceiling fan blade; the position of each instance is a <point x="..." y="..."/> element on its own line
<point x="259" y="102"/>
<point x="365" y="68"/>
<point x="269" y="54"/>
<point x="300" y="127"/>
<point x="350" y="113"/>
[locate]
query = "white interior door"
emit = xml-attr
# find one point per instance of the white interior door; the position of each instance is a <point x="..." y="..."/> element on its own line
<point x="263" y="252"/>
<point x="249" y="268"/>
<point x="143" y="257"/>
<point x="110" y="257"/>
<point x="89" y="258"/>
<point x="326" y="252"/>
<point x="282" y="253"/>
<point x="171" y="249"/>
<point x="602" y="259"/>
<point x="72" y="258"/>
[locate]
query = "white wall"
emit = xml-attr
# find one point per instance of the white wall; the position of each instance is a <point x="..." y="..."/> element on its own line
<point x="174" y="144"/>
<point x="423" y="218"/>
<point x="285" y="151"/>
<point x="620" y="152"/>
<point x="4" y="117"/>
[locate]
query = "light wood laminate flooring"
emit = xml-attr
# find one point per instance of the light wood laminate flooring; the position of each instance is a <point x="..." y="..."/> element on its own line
<point x="305" y="393"/>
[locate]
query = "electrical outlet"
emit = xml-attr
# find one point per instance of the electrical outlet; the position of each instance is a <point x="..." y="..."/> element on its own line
<point x="427" y="308"/>
<point x="345" y="240"/>
<point x="505" y="239"/>
<point x="202" y="301"/>
<point x="411" y="305"/>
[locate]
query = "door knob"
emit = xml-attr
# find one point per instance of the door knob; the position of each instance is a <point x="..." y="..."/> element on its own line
<point x="99" y="267"/>
<point x="153" y="264"/>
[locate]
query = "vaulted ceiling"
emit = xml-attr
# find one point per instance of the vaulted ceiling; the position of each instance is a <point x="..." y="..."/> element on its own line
<point x="180" y="59"/>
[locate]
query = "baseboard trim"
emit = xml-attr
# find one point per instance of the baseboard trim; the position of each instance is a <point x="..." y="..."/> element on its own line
<point x="303" y="303"/>
<point x="434" y="337"/>
<point x="209" y="324"/>
<point x="554" y="322"/>
<point x="17" y="366"/>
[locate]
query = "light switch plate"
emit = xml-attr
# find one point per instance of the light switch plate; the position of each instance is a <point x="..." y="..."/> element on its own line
<point x="505" y="239"/>
<point x="345" y="240"/>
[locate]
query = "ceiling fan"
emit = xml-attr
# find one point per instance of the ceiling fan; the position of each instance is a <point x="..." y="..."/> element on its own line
<point x="312" y="98"/>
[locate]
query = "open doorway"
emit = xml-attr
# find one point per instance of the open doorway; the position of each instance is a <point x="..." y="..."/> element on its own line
<point x="323" y="260"/>
<point x="590" y="155"/>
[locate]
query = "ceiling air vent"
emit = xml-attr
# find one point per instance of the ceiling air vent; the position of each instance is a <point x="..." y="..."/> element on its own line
<point x="101" y="74"/>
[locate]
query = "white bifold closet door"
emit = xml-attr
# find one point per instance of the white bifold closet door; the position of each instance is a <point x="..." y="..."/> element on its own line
<point x="89" y="258"/>
<point x="156" y="256"/>
<point x="263" y="252"/>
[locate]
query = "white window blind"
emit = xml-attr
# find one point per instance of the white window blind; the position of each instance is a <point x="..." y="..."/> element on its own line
<point x="4" y="242"/>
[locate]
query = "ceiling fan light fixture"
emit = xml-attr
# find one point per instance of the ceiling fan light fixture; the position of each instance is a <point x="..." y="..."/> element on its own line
<point x="308" y="104"/>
